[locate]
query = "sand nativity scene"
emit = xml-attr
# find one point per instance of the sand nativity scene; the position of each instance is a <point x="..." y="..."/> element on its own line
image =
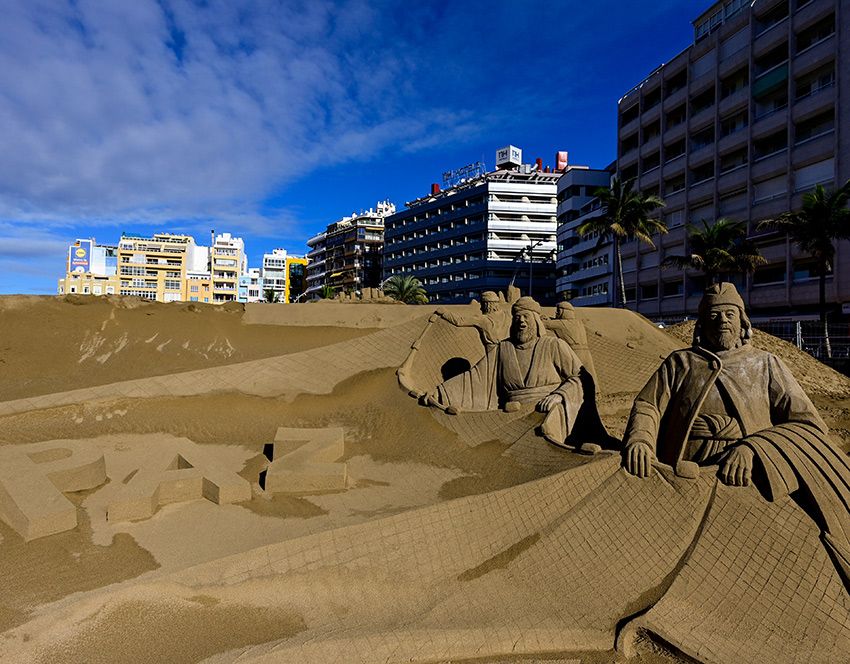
<point x="497" y="482"/>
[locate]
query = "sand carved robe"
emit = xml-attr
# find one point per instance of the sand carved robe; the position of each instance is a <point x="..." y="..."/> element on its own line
<point x="699" y="402"/>
<point x="497" y="380"/>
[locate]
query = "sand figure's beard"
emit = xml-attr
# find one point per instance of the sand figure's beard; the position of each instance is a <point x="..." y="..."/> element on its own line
<point x="523" y="336"/>
<point x="724" y="339"/>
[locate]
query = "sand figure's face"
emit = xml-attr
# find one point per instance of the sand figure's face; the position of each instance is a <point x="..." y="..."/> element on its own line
<point x="564" y="312"/>
<point x="523" y="329"/>
<point x="488" y="307"/>
<point x="721" y="327"/>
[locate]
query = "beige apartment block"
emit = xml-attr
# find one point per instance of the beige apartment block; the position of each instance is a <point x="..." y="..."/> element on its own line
<point x="154" y="268"/>
<point x="88" y="284"/>
<point x="741" y="124"/>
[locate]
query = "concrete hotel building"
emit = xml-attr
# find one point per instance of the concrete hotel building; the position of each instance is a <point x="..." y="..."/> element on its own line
<point x="347" y="255"/>
<point x="227" y="263"/>
<point x="478" y="234"/>
<point x="741" y="124"/>
<point x="584" y="266"/>
<point x="156" y="268"/>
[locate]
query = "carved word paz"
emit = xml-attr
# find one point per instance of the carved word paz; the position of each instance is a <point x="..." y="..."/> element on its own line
<point x="306" y="461"/>
<point x="32" y="483"/>
<point x="174" y="477"/>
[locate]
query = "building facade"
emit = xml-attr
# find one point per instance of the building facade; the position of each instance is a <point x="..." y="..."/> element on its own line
<point x="228" y="262"/>
<point x="347" y="255"/>
<point x="155" y="268"/>
<point x="584" y="263"/>
<point x="251" y="286"/>
<point x="741" y="124"/>
<point x="480" y="234"/>
<point x="296" y="278"/>
<point x="90" y="269"/>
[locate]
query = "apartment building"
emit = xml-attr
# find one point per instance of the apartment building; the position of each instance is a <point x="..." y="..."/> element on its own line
<point x="155" y="268"/>
<point x="347" y="255"/>
<point x="481" y="233"/>
<point x="251" y="286"/>
<point x="584" y="264"/>
<point x="227" y="263"/>
<point x="296" y="278"/>
<point x="90" y="269"/>
<point x="741" y="124"/>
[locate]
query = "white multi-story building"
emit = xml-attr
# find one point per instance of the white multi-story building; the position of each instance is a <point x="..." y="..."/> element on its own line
<point x="227" y="263"/>
<point x="274" y="274"/>
<point x="482" y="233"/>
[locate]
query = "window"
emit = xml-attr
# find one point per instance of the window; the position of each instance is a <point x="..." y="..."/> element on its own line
<point x="769" y="145"/>
<point x="702" y="139"/>
<point x="733" y="160"/>
<point x="702" y="173"/>
<point x="735" y="43"/>
<point x="702" y="101"/>
<point x="86" y="290"/>
<point x="651" y="131"/>
<point x="110" y="290"/>
<point x="818" y="32"/>
<point x="813" y="82"/>
<point x="806" y="269"/>
<point x="773" y="58"/>
<point x="734" y="203"/>
<point x="672" y="288"/>
<point x="652" y="161"/>
<point x="769" y="274"/>
<point x="629" y="143"/>
<point x="735" y="82"/>
<point x="822" y="123"/>
<point x="734" y="123"/>
<point x="97" y="290"/>
<point x="649" y="291"/>
<point x="629" y="114"/>
<point x="698" y="213"/>
<point x="676" y="82"/>
<point x="769" y="189"/>
<point x="674" y="150"/>
<point x="675" y="218"/>
<point x="652" y="98"/>
<point x="770" y="18"/>
<point x="818" y="173"/>
<point x="674" y="184"/>
<point x="676" y="117"/>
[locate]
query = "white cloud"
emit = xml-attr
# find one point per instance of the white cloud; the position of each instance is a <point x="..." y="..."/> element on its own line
<point x="128" y="109"/>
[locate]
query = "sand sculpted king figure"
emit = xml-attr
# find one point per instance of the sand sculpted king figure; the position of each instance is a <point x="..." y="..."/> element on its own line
<point x="493" y="324"/>
<point x="528" y="367"/>
<point x="724" y="402"/>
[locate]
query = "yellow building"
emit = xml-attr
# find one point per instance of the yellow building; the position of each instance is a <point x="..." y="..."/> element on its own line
<point x="296" y="278"/>
<point x="155" y="268"/>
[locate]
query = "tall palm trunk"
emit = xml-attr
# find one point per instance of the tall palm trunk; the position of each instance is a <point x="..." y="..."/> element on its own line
<point x="620" y="272"/>
<point x="823" y="316"/>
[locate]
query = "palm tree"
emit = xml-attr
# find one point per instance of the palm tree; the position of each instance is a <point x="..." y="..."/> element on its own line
<point x="718" y="249"/>
<point x="327" y="292"/>
<point x="823" y="219"/>
<point x="270" y="295"/>
<point x="626" y="217"/>
<point x="405" y="289"/>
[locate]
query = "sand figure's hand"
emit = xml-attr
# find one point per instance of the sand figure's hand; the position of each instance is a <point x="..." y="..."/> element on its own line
<point x="737" y="468"/>
<point x="549" y="402"/>
<point x="440" y="311"/>
<point x="637" y="458"/>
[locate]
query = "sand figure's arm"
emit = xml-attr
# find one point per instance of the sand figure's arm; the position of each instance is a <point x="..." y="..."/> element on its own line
<point x="641" y="437"/>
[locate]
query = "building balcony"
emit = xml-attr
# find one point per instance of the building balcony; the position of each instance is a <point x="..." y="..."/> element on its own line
<point x="630" y="127"/>
<point x="676" y="99"/>
<point x="592" y="300"/>
<point x="735" y="101"/>
<point x="820" y="100"/>
<point x="734" y="140"/>
<point x="702" y="83"/>
<point x="675" y="133"/>
<point x="772" y="37"/>
<point x="769" y="123"/>
<point x="650" y="146"/>
<point x="649" y="178"/>
<point x="584" y="246"/>
<point x="591" y="272"/>
<point x="675" y="166"/>
<point x="769" y="209"/>
<point x="811" y="13"/>
<point x="771" y="165"/>
<point x="675" y="200"/>
<point x="702" y="189"/>
<point x="517" y="207"/>
<point x="701" y="154"/>
<point x="702" y="119"/>
<point x="628" y="159"/>
<point x="734" y="179"/>
<point x="814" y="56"/>
<point x="814" y="149"/>
<point x="733" y="62"/>
<point x="651" y="114"/>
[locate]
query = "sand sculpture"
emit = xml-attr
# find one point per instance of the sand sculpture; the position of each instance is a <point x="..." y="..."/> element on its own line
<point x="493" y="325"/>
<point x="540" y="552"/>
<point x="566" y="326"/>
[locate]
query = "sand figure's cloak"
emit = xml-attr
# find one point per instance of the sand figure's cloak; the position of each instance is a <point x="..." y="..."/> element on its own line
<point x="572" y="331"/>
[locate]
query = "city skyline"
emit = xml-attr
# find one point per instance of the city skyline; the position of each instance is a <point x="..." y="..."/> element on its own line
<point x="273" y="123"/>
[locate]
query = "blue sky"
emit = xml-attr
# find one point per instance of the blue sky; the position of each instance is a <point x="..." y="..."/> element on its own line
<point x="272" y="119"/>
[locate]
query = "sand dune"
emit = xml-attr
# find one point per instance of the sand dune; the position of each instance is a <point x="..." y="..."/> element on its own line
<point x="215" y="385"/>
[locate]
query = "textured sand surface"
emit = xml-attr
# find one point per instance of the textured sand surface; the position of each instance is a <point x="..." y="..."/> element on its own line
<point x="128" y="378"/>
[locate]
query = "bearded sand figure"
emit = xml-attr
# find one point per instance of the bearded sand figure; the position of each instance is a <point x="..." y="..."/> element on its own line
<point x="493" y="324"/>
<point x="724" y="402"/>
<point x="530" y="366"/>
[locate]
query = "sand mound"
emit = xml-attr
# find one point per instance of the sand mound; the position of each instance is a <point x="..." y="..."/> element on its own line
<point x="125" y="377"/>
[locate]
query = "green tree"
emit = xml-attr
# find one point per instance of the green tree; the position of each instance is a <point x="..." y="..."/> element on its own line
<point x="270" y="295"/>
<point x="823" y="219"/>
<point x="626" y="217"/>
<point x="405" y="289"/>
<point x="327" y="292"/>
<point x="718" y="250"/>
